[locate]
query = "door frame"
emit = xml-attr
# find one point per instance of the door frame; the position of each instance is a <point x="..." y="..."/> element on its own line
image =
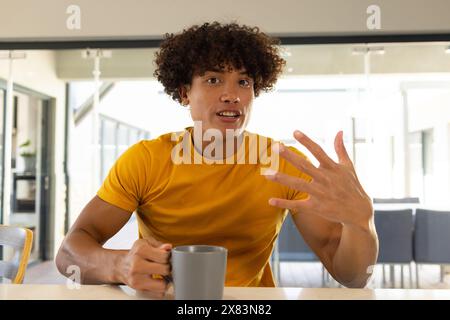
<point x="46" y="170"/>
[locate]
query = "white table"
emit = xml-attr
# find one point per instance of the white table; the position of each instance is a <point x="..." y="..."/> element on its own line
<point x="107" y="292"/>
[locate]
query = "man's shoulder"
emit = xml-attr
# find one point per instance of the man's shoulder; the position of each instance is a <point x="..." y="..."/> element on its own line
<point x="262" y="140"/>
<point x="271" y="141"/>
<point x="162" y="143"/>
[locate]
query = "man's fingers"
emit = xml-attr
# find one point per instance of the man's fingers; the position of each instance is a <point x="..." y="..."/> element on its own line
<point x="293" y="205"/>
<point x="146" y="282"/>
<point x="159" y="254"/>
<point x="148" y="268"/>
<point x="298" y="161"/>
<point x="341" y="151"/>
<point x="293" y="182"/>
<point x="166" y="246"/>
<point x="314" y="148"/>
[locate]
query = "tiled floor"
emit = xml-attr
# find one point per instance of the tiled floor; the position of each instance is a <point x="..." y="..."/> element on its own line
<point x="309" y="275"/>
<point x="293" y="274"/>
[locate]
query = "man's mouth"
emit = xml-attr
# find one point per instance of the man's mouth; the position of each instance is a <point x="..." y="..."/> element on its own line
<point x="231" y="114"/>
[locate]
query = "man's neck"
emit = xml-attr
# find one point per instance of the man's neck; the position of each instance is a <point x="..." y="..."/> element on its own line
<point x="228" y="146"/>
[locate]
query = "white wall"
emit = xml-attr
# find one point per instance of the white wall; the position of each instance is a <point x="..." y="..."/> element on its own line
<point x="430" y="109"/>
<point x="46" y="19"/>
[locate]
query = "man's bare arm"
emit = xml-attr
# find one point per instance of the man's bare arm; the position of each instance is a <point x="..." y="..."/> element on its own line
<point x="348" y="253"/>
<point x="83" y="247"/>
<point x="356" y="255"/>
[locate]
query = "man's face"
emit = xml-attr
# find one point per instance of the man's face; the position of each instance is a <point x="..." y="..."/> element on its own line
<point x="221" y="99"/>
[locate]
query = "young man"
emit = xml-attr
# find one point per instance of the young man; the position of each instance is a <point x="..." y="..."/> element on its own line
<point x="207" y="185"/>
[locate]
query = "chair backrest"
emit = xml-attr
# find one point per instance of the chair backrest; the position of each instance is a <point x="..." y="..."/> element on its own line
<point x="395" y="235"/>
<point x="396" y="200"/>
<point x="291" y="246"/>
<point x="432" y="236"/>
<point x="20" y="239"/>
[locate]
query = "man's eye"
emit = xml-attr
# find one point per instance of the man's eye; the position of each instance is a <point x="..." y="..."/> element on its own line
<point x="213" y="80"/>
<point x="244" y="82"/>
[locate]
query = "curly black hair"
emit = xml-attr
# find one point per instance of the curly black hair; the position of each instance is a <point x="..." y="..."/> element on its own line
<point x="213" y="45"/>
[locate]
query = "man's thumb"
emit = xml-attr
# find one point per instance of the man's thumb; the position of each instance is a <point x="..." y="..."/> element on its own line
<point x="166" y="246"/>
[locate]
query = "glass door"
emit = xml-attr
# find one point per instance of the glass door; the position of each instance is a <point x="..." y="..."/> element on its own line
<point x="2" y="108"/>
<point x="31" y="169"/>
<point x="24" y="146"/>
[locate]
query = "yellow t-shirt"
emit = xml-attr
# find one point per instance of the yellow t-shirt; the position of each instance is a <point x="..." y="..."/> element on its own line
<point x="209" y="204"/>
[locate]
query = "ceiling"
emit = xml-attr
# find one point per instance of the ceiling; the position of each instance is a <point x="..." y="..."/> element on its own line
<point x="302" y="60"/>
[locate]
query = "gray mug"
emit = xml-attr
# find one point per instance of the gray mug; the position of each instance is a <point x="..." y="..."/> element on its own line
<point x="198" y="272"/>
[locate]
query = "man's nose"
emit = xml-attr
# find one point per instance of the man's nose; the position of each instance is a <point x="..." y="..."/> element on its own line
<point x="230" y="97"/>
<point x="230" y="93"/>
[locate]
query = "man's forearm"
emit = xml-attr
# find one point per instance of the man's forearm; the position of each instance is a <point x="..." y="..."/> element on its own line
<point x="97" y="265"/>
<point x="356" y="254"/>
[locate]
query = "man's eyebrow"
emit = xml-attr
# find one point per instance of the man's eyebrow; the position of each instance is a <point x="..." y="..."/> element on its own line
<point x="215" y="70"/>
<point x="223" y="71"/>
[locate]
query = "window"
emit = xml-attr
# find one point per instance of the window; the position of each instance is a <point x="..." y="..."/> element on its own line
<point x="115" y="138"/>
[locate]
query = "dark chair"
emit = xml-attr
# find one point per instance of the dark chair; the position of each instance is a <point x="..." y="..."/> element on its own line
<point x="432" y="239"/>
<point x="292" y="247"/>
<point x="395" y="236"/>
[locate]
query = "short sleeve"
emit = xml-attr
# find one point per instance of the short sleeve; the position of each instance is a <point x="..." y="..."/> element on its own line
<point x="126" y="181"/>
<point x="293" y="171"/>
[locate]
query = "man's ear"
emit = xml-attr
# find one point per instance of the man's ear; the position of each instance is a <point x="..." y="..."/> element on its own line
<point x="183" y="91"/>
